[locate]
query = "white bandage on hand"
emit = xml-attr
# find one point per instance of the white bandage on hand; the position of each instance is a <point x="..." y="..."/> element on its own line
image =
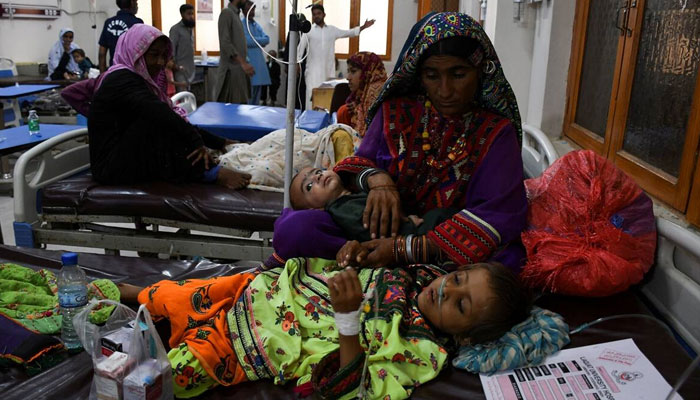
<point x="348" y="324"/>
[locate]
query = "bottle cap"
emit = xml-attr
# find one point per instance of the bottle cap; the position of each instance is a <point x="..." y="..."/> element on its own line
<point x="69" y="259"/>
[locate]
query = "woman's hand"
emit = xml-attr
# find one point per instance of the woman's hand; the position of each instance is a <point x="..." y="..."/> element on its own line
<point x="381" y="253"/>
<point x="248" y="69"/>
<point x="352" y="253"/>
<point x="201" y="154"/>
<point x="382" y="214"/>
<point x="346" y="292"/>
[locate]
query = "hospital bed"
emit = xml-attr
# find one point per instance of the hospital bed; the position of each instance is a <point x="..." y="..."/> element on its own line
<point x="72" y="378"/>
<point x="61" y="204"/>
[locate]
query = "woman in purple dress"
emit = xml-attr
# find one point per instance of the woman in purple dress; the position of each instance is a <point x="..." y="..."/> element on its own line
<point x="445" y="132"/>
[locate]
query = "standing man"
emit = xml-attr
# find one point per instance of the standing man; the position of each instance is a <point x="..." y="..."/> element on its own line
<point x="320" y="63"/>
<point x="262" y="76"/>
<point x="233" y="83"/>
<point x="182" y="37"/>
<point x="115" y="27"/>
<point x="275" y="71"/>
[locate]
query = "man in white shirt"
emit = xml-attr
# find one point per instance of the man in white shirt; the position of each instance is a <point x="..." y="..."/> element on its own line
<point x="320" y="63"/>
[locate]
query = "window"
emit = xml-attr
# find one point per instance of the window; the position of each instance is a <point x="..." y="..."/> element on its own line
<point x="163" y="14"/>
<point x="346" y="14"/>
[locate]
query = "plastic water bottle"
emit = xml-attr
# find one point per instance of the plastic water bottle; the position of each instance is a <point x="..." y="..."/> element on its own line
<point x="33" y="123"/>
<point x="72" y="297"/>
<point x="204" y="56"/>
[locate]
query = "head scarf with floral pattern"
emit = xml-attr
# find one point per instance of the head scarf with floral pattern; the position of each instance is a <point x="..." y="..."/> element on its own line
<point x="495" y="93"/>
<point x="372" y="79"/>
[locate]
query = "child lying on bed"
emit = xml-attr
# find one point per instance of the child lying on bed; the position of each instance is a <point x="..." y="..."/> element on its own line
<point x="314" y="188"/>
<point x="301" y="324"/>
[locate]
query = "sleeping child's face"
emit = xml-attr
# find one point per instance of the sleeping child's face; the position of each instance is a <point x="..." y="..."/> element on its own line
<point x="466" y="300"/>
<point x="78" y="57"/>
<point x="314" y="188"/>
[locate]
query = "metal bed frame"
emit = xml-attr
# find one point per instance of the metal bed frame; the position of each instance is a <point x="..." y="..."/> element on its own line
<point x="68" y="154"/>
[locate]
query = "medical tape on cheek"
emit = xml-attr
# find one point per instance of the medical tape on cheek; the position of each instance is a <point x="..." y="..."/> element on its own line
<point x="440" y="291"/>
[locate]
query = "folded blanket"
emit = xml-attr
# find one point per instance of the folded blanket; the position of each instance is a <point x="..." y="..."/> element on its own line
<point x="21" y="346"/>
<point x="30" y="298"/>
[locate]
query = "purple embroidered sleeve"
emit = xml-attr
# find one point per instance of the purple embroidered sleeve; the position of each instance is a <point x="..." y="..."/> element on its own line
<point x="496" y="195"/>
<point x="306" y="233"/>
<point x="374" y="146"/>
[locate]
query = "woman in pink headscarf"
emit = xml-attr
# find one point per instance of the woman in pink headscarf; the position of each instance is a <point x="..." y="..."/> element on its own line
<point x="136" y="133"/>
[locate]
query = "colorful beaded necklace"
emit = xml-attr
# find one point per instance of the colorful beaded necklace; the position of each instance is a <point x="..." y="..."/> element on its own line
<point x="453" y="152"/>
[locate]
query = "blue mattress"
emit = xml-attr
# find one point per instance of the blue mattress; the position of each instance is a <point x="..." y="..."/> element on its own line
<point x="248" y="123"/>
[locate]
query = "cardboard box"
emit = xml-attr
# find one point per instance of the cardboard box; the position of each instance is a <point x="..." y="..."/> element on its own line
<point x="109" y="374"/>
<point x="145" y="382"/>
<point x="116" y="341"/>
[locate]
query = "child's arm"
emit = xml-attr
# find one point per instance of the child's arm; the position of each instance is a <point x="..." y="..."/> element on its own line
<point x="396" y="364"/>
<point x="346" y="296"/>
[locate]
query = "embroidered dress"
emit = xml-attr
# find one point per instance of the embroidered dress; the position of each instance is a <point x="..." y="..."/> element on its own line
<point x="201" y="355"/>
<point x="283" y="328"/>
<point x="472" y="162"/>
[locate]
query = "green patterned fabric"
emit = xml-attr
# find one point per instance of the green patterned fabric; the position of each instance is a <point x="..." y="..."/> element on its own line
<point x="283" y="326"/>
<point x="495" y="93"/>
<point x="30" y="298"/>
<point x="188" y="374"/>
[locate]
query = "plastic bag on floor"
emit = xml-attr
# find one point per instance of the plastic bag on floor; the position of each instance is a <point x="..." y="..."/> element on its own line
<point x="591" y="229"/>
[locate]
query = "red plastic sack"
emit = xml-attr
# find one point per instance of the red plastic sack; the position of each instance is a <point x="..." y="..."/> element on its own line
<point x="591" y="229"/>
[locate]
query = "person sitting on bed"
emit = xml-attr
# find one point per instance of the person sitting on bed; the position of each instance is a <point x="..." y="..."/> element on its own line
<point x="304" y="323"/>
<point x="314" y="188"/>
<point x="445" y="132"/>
<point x="136" y="133"/>
<point x="366" y="76"/>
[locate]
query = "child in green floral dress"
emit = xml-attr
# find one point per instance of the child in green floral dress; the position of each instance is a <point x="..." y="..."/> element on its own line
<point x="301" y="324"/>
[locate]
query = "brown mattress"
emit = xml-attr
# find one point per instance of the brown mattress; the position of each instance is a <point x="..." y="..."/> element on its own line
<point x="72" y="378"/>
<point x="191" y="202"/>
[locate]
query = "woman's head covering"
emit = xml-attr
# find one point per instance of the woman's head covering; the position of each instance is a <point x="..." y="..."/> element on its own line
<point x="131" y="47"/>
<point x="495" y="93"/>
<point x="63" y="32"/>
<point x="56" y="53"/>
<point x="372" y="79"/>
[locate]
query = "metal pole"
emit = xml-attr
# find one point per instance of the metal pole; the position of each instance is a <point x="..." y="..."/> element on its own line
<point x="291" y="96"/>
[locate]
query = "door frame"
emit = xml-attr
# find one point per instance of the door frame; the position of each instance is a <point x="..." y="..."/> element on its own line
<point x="580" y="135"/>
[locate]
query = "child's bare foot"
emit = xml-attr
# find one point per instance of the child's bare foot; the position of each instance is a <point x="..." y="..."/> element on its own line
<point x="233" y="179"/>
<point x="129" y="293"/>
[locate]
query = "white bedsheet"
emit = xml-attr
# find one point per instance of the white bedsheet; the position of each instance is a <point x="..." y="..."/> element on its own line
<point x="264" y="158"/>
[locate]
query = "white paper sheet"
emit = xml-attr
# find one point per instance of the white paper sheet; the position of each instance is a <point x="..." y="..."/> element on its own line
<point x="607" y="371"/>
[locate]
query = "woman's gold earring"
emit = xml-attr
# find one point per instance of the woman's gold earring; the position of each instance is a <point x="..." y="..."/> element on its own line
<point x="490" y="67"/>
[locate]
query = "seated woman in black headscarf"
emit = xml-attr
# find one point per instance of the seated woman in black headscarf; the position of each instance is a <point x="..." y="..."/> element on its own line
<point x="136" y="133"/>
